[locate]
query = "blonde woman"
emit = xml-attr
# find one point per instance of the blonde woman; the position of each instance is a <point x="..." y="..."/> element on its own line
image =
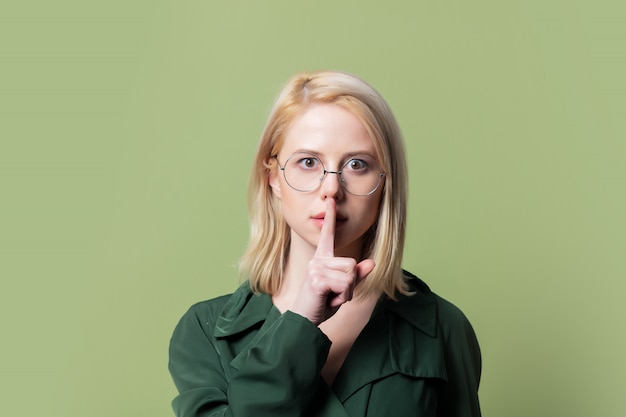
<point x="327" y="323"/>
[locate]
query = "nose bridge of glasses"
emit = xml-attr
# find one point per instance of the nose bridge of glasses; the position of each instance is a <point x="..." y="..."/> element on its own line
<point x="328" y="171"/>
<point x="340" y="178"/>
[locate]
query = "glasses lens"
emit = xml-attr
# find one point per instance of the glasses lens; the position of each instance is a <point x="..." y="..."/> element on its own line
<point x="303" y="171"/>
<point x="359" y="176"/>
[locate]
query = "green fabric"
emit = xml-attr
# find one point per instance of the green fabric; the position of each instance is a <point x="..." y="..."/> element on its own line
<point x="238" y="356"/>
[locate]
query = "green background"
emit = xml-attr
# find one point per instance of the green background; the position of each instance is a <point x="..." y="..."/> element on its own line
<point x="128" y="128"/>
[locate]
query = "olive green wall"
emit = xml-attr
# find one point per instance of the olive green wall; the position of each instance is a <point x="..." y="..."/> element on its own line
<point x="127" y="131"/>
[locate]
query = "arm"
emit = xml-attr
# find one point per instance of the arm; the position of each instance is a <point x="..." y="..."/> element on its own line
<point x="463" y="364"/>
<point x="277" y="376"/>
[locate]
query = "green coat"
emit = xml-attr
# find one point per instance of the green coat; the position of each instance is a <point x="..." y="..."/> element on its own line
<point x="239" y="356"/>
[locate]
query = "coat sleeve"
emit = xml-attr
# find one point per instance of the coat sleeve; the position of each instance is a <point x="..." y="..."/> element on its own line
<point x="463" y="364"/>
<point x="277" y="376"/>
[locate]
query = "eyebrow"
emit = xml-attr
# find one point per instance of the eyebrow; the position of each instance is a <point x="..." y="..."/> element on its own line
<point x="343" y="157"/>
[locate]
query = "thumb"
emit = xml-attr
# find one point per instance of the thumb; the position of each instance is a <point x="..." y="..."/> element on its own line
<point x="364" y="268"/>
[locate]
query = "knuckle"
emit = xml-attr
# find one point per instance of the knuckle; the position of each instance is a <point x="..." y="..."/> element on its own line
<point x="318" y="283"/>
<point x="352" y="264"/>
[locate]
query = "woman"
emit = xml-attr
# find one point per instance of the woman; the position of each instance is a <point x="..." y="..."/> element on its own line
<point x="327" y="323"/>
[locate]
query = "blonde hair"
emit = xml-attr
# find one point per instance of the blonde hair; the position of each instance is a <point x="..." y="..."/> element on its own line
<point x="264" y="260"/>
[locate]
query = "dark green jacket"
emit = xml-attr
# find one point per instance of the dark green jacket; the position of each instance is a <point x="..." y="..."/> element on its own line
<point x="238" y="356"/>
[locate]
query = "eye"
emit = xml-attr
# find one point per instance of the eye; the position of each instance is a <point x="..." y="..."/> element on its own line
<point x="308" y="163"/>
<point x="357" y="165"/>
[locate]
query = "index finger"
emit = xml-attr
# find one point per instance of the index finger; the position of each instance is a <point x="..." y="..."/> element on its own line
<point x="326" y="244"/>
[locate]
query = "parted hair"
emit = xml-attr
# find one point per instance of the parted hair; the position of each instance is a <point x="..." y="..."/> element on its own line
<point x="264" y="260"/>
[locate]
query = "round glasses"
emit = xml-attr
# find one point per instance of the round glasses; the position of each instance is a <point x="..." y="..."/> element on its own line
<point x="305" y="172"/>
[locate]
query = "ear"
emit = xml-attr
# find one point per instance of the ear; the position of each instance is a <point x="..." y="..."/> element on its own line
<point x="274" y="182"/>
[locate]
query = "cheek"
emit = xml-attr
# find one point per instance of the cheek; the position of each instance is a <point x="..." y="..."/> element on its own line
<point x="375" y="205"/>
<point x="369" y="214"/>
<point x="287" y="197"/>
<point x="293" y="203"/>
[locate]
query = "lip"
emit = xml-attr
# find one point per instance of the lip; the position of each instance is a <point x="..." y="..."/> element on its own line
<point x="319" y="218"/>
<point x="339" y="217"/>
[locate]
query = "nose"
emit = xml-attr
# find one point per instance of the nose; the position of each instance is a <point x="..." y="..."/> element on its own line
<point x="331" y="185"/>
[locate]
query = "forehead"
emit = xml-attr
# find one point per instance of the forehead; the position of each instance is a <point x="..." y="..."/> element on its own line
<point x="328" y="130"/>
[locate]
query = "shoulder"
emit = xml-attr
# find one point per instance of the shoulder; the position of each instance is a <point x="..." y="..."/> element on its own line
<point x="208" y="309"/>
<point x="435" y="310"/>
<point x="429" y="335"/>
<point x="450" y="316"/>
<point x="229" y="314"/>
<point x="208" y="312"/>
<point x="201" y="316"/>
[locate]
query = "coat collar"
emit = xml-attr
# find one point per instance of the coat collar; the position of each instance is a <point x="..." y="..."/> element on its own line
<point x="242" y="311"/>
<point x="245" y="309"/>
<point x="410" y="324"/>
<point x="418" y="309"/>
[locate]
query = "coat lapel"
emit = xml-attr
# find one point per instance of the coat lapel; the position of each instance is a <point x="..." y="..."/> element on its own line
<point x="326" y="403"/>
<point x="367" y="360"/>
<point x="413" y="348"/>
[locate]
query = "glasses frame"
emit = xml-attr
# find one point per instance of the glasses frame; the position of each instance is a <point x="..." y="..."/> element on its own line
<point x="339" y="173"/>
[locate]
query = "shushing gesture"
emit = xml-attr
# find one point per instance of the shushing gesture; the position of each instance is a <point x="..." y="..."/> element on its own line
<point x="330" y="280"/>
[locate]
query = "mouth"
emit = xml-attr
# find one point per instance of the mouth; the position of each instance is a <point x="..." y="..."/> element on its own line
<point x="339" y="219"/>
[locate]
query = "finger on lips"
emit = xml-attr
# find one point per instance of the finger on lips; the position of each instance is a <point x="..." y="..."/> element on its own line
<point x="326" y="244"/>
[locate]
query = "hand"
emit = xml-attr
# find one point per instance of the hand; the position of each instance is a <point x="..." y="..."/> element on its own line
<point x="331" y="280"/>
